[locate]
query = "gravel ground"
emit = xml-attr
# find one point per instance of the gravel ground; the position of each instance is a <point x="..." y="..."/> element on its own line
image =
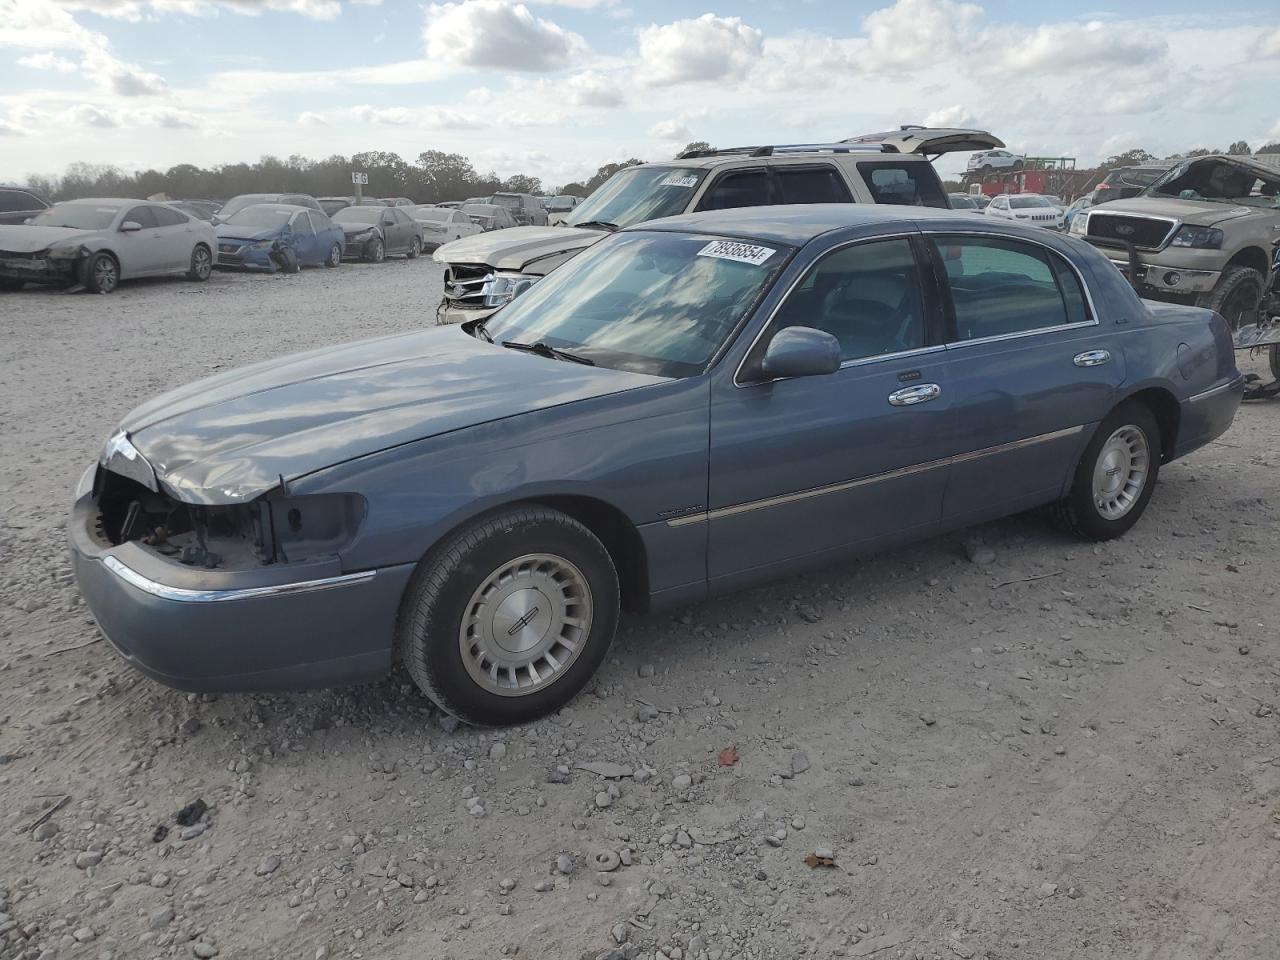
<point x="1064" y="751"/>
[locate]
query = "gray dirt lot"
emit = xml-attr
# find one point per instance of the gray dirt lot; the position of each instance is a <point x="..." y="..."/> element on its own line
<point x="1084" y="765"/>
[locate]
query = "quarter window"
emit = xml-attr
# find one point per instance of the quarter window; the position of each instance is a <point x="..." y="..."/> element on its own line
<point x="742" y="188"/>
<point x="867" y="296"/>
<point x="1001" y="287"/>
<point x="898" y="182"/>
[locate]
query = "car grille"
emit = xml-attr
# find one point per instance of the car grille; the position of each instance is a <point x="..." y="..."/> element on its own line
<point x="1041" y="217"/>
<point x="1143" y="232"/>
<point x="463" y="285"/>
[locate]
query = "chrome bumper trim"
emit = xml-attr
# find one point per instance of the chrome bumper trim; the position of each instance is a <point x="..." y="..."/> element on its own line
<point x="185" y="595"/>
<point x="1236" y="384"/>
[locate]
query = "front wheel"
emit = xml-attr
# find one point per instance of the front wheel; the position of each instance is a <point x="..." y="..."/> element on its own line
<point x="100" y="273"/>
<point x="1237" y="296"/>
<point x="201" y="264"/>
<point x="1115" y="477"/>
<point x="335" y="256"/>
<point x="507" y="619"/>
<point x="377" y="252"/>
<point x="415" y="248"/>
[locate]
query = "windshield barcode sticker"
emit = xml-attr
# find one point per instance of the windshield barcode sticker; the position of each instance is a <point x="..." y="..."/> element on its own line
<point x="676" y="180"/>
<point x="732" y="250"/>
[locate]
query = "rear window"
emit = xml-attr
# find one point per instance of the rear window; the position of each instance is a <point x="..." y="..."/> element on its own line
<point x="907" y="184"/>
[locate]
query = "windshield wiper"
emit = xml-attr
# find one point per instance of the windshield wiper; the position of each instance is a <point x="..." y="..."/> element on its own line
<point x="478" y="328"/>
<point x="597" y="225"/>
<point x="546" y="350"/>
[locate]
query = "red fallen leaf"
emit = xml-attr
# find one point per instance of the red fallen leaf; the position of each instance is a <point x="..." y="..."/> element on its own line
<point x="813" y="860"/>
<point x="728" y="756"/>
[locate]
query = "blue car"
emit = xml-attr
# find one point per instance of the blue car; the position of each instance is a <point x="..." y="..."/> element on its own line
<point x="691" y="405"/>
<point x="252" y="238"/>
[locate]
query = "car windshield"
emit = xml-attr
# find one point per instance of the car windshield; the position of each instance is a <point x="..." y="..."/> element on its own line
<point x="433" y="214"/>
<point x="658" y="303"/>
<point x="1218" y="181"/>
<point x="260" y="215"/>
<point x="359" y="215"/>
<point x="1023" y="203"/>
<point x="638" y="194"/>
<point x="78" y="216"/>
<point x="333" y="206"/>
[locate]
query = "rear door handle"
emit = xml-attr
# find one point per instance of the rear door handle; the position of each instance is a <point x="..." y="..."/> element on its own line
<point x="1092" y="358"/>
<point x="920" y="393"/>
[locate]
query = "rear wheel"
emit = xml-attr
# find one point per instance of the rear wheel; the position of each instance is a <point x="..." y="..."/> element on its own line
<point x="415" y="248"/>
<point x="1115" y="477"/>
<point x="507" y="619"/>
<point x="1237" y="296"/>
<point x="335" y="256"/>
<point x="1275" y="360"/>
<point x="201" y="264"/>
<point x="100" y="273"/>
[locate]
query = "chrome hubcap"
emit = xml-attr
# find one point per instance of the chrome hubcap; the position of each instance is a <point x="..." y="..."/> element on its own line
<point x="525" y="625"/>
<point x="1121" y="472"/>
<point x="202" y="263"/>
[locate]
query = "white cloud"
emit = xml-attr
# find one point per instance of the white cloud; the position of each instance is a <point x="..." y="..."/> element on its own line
<point x="134" y="10"/>
<point x="87" y="115"/>
<point x="913" y="34"/>
<point x="708" y="48"/>
<point x="498" y="35"/>
<point x="592" y="89"/>
<point x="953" y="116"/>
<point x="48" y="61"/>
<point x="436" y="118"/>
<point x="10" y="130"/>
<point x="669" y="130"/>
<point x="167" y="118"/>
<point x="309" y="119"/>
<point x="1060" y="47"/>
<point x="1268" y="45"/>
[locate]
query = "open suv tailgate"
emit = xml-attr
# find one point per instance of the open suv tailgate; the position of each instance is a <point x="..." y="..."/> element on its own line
<point x="914" y="139"/>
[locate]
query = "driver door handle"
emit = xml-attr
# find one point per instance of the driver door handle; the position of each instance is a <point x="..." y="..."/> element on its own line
<point x="920" y="393"/>
<point x="1092" y="358"/>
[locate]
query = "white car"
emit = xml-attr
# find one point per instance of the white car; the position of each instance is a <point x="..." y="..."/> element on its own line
<point x="97" y="243"/>
<point x="1027" y="208"/>
<point x="986" y="161"/>
<point x="442" y="224"/>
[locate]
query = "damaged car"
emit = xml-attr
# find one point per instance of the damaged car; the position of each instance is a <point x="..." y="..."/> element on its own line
<point x="96" y="243"/>
<point x="692" y="405"/>
<point x="251" y="238"/>
<point x="1202" y="233"/>
<point x="483" y="273"/>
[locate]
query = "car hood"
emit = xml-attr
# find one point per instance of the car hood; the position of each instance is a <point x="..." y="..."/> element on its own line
<point x="229" y="438"/>
<point x="24" y="238"/>
<point x="1201" y="213"/>
<point x="229" y="231"/>
<point x="517" y="248"/>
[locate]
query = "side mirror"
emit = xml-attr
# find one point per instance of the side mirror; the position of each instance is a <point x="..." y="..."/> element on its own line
<point x="130" y="226"/>
<point x="800" y="352"/>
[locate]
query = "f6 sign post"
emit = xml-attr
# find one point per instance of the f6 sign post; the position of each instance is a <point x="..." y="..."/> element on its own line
<point x="360" y="180"/>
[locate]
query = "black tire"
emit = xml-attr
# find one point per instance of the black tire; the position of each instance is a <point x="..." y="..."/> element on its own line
<point x="377" y="250"/>
<point x="1078" y="512"/>
<point x="11" y="284"/>
<point x="440" y="594"/>
<point x="415" y="248"/>
<point x="1238" y="292"/>
<point x="1017" y="165"/>
<point x="201" y="264"/>
<point x="985" y="168"/>
<point x="100" y="273"/>
<point x="335" y="256"/>
<point x="1275" y="360"/>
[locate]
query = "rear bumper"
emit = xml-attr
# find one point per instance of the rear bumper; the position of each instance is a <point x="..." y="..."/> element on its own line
<point x="1208" y="415"/>
<point x="215" y="631"/>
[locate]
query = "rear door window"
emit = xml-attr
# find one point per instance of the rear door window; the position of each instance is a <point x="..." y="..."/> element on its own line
<point x="1000" y="287"/>
<point x="15" y="201"/>
<point x="168" y="217"/>
<point x="898" y="182"/>
<point x="804" y="184"/>
<point x="739" y="188"/>
<point x="143" y="217"/>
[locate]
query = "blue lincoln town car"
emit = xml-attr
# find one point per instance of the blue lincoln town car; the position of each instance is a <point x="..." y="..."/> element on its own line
<point x="692" y="405"/>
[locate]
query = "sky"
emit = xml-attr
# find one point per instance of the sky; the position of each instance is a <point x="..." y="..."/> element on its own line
<point x="555" y="88"/>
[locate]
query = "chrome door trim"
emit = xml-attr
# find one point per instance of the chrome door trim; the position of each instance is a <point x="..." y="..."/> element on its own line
<point x="185" y="595"/>
<point x="920" y="393"/>
<point x="785" y="498"/>
<point x="1092" y="358"/>
<point x="1038" y="331"/>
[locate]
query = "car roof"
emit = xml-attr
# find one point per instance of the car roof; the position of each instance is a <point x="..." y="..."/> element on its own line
<point x="111" y="201"/>
<point x="291" y="207"/>
<point x="794" y="224"/>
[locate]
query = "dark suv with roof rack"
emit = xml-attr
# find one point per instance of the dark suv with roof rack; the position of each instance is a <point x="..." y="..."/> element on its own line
<point x="19" y="203"/>
<point x="484" y="272"/>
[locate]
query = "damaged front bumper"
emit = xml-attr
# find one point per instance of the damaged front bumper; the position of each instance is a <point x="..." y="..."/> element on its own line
<point x="40" y="267"/>
<point x="246" y="626"/>
<point x="1167" y="272"/>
